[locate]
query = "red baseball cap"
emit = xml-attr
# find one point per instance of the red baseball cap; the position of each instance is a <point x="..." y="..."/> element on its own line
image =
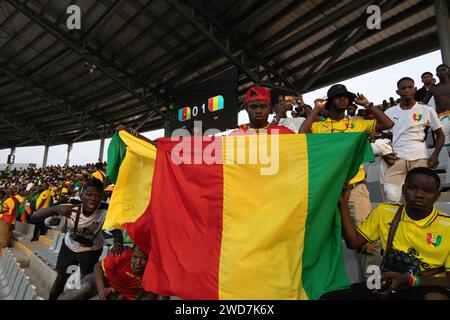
<point x="257" y="94"/>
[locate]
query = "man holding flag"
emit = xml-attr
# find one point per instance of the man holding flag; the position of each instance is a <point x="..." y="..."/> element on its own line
<point x="339" y="99"/>
<point x="258" y="107"/>
<point x="209" y="237"/>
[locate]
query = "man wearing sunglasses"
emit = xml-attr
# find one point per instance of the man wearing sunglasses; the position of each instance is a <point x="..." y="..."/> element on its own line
<point x="338" y="101"/>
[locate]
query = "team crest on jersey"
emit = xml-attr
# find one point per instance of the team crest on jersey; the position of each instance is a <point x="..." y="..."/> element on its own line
<point x="417" y="117"/>
<point x="434" y="239"/>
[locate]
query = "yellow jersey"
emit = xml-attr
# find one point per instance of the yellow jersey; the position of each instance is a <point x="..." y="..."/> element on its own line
<point x="19" y="198"/>
<point x="43" y="200"/>
<point x="346" y="125"/>
<point x="8" y="211"/>
<point x="427" y="239"/>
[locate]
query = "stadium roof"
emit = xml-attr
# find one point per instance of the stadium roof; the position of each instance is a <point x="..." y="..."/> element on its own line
<point x="60" y="86"/>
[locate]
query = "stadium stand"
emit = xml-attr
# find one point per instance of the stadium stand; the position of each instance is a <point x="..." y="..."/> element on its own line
<point x="14" y="283"/>
<point x="290" y="56"/>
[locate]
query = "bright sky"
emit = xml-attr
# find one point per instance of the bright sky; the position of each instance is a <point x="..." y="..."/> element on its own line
<point x="377" y="86"/>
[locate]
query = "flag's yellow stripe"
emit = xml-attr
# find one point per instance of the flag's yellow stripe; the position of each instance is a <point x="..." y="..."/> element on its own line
<point x="132" y="191"/>
<point x="264" y="221"/>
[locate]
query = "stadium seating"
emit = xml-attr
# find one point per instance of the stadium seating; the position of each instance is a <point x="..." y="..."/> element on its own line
<point x="373" y="181"/>
<point x="50" y="255"/>
<point x="14" y="283"/>
<point x="23" y="231"/>
<point x="60" y="226"/>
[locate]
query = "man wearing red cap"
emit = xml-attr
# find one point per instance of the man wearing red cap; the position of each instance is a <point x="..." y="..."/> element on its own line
<point x="257" y="104"/>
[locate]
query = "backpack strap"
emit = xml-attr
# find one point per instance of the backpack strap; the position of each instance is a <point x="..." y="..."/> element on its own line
<point x="394" y="226"/>
<point x="434" y="271"/>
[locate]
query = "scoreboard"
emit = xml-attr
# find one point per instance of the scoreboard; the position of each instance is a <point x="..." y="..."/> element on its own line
<point x="214" y="102"/>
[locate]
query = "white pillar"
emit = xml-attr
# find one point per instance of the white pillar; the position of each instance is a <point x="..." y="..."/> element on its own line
<point x="13" y="152"/>
<point x="443" y="24"/>
<point x="69" y="151"/>
<point x="44" y="161"/>
<point x="102" y="146"/>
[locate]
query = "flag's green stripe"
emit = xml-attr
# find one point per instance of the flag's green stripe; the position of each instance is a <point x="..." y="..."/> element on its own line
<point x="116" y="153"/>
<point x="332" y="159"/>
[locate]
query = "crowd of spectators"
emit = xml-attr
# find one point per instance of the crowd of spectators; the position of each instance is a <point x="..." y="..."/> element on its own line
<point x="81" y="194"/>
<point x="24" y="191"/>
<point x="397" y="128"/>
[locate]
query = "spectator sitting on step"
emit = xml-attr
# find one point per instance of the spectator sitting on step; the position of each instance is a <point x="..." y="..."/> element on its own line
<point x="114" y="278"/>
<point x="416" y="263"/>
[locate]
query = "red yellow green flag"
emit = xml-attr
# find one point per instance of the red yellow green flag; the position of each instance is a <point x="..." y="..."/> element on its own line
<point x="238" y="217"/>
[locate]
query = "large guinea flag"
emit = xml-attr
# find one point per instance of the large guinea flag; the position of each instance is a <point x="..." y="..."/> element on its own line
<point x="238" y="217"/>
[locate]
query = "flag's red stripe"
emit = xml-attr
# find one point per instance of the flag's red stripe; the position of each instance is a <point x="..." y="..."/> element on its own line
<point x="185" y="222"/>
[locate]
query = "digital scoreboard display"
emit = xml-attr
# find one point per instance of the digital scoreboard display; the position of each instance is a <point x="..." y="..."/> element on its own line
<point x="214" y="102"/>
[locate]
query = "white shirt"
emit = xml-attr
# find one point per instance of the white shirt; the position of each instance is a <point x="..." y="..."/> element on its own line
<point x="381" y="147"/>
<point x="408" y="132"/>
<point x="88" y="227"/>
<point x="292" y="123"/>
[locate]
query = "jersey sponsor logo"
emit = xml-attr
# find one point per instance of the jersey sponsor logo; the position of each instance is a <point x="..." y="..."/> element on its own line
<point x="417" y="116"/>
<point x="434" y="239"/>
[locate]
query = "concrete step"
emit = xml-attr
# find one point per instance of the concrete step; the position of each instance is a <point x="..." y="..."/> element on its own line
<point x="51" y="233"/>
<point x="41" y="275"/>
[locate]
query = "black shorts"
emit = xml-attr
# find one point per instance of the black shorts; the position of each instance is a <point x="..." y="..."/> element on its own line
<point x="359" y="291"/>
<point x="86" y="260"/>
